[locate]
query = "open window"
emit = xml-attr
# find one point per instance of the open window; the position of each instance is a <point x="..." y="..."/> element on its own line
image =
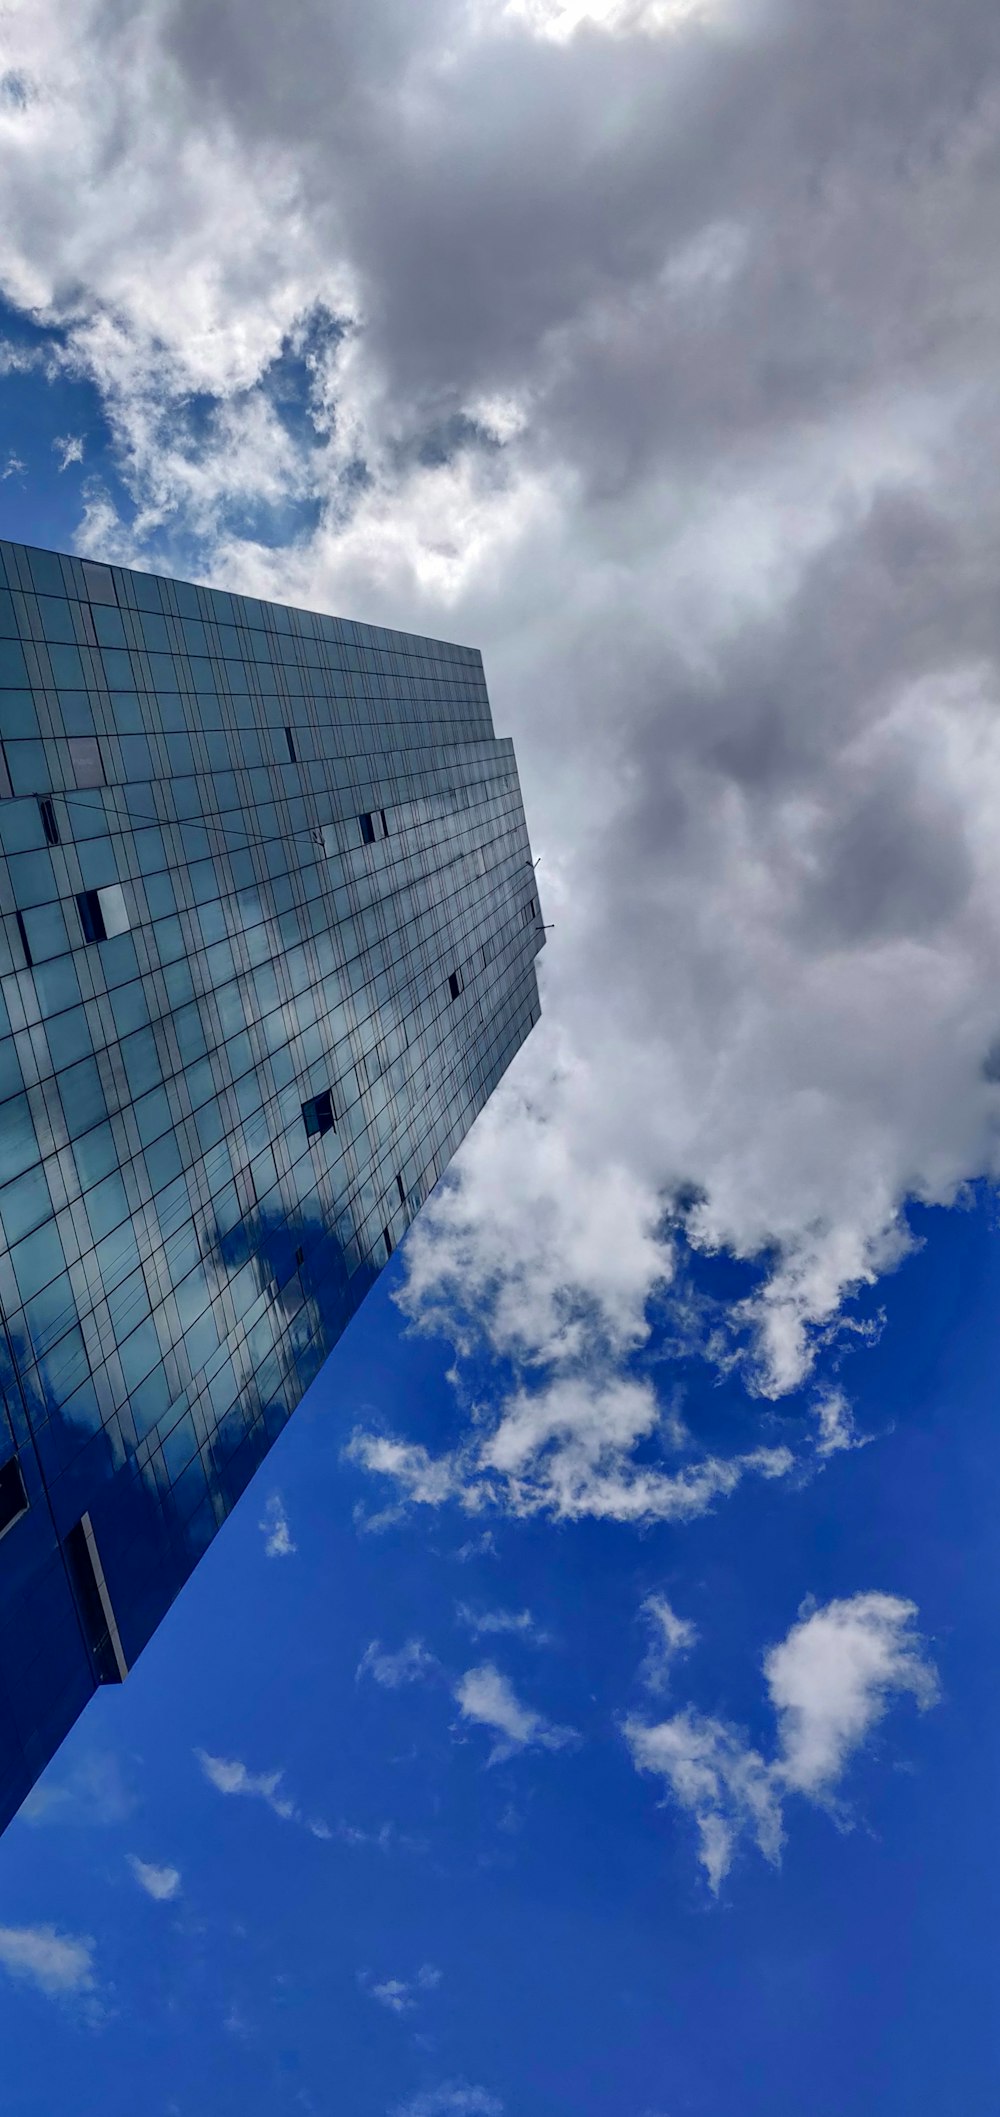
<point x="103" y="912"/>
<point x="317" y="1115"/>
<point x="456" y="983"/>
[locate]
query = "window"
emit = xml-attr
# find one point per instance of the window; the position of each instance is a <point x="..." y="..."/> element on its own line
<point x="86" y="761"/>
<point x="103" y="912"/>
<point x="385" y="827"/>
<point x="400" y="1188"/>
<point x="387" y="1239"/>
<point x="367" y="823"/>
<point x="49" y="824"/>
<point x="456" y="983"/>
<point x="290" y="739"/>
<point x="530" y="912"/>
<point x="94" y="1603"/>
<point x="13" y="1498"/>
<point x="317" y="1115"/>
<point x="23" y="932"/>
<point x="300" y="1257"/>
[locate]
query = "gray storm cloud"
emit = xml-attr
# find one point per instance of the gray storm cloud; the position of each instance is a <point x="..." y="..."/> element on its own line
<point x="658" y="356"/>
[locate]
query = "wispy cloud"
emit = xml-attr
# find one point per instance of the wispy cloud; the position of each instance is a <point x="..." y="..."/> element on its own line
<point x="278" y="1541"/>
<point x="569" y="1450"/>
<point x="94" y="1791"/>
<point x="484" y="1695"/>
<point x="229" y="1776"/>
<point x="61" y="1964"/>
<point x="484" y="1624"/>
<point x="69" y="449"/>
<point x="411" y="1663"/>
<point x="829" y="1681"/>
<point x="400" y="1995"/>
<point x="671" y="1636"/>
<point x="161" y="1883"/>
<point x="454" y="2098"/>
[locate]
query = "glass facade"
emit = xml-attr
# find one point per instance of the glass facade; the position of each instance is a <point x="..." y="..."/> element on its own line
<point x="268" y="927"/>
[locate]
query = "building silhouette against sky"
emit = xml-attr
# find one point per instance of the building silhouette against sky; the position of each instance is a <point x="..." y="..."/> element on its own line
<point x="269" y="927"/>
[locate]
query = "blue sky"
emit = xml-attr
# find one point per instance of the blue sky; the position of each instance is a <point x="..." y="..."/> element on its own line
<point x="536" y="1929"/>
<point x="592" y="1705"/>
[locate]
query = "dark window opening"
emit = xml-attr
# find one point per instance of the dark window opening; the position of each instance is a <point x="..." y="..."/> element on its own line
<point x="92" y="1602"/>
<point x="387" y="1239"/>
<point x="300" y="1257"/>
<point x="290" y="739"/>
<point x="88" y="905"/>
<point x="23" y="932"/>
<point x="13" y="1498"/>
<point x="385" y="827"/>
<point x="317" y="1114"/>
<point x="456" y="983"/>
<point x="402" y="1192"/>
<point x="49" y="824"/>
<point x="367" y="822"/>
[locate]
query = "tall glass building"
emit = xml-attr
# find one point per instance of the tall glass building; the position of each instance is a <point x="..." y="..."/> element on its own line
<point x="269" y="927"/>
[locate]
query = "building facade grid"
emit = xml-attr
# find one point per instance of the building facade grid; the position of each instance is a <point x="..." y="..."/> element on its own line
<point x="268" y="927"/>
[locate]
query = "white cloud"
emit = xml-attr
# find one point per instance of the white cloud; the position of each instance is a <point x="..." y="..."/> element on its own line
<point x="567" y="1450"/>
<point x="400" y="1995"/>
<point x="484" y="1624"/>
<point x="69" y="448"/>
<point x="833" y="1678"/>
<point x="484" y="1695"/>
<point x="277" y="1534"/>
<point x="830" y="1681"/>
<point x="671" y="1637"/>
<point x="161" y="1883"/>
<point x="836" y="1424"/>
<point x="451" y="2099"/>
<point x="230" y="1776"/>
<point x="58" y="1963"/>
<point x="411" y="1663"/>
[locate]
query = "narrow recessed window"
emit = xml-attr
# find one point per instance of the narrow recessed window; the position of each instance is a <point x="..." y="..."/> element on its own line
<point x="317" y="1114"/>
<point x="385" y="826"/>
<point x="290" y="739"/>
<point x="88" y="905"/>
<point x="23" y="934"/>
<point x="456" y="983"/>
<point x="300" y="1257"/>
<point x="367" y="822"/>
<point x="13" y="1498"/>
<point x="387" y="1239"/>
<point x="49" y="824"/>
<point x="401" y="1189"/>
<point x="94" y="1603"/>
